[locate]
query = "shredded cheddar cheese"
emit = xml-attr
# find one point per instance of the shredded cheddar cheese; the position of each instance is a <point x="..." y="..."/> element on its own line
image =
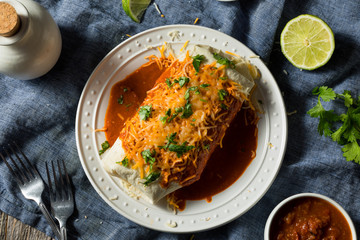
<point x="187" y="104"/>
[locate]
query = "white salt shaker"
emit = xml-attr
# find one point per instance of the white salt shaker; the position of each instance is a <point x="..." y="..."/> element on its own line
<point x="30" y="40"/>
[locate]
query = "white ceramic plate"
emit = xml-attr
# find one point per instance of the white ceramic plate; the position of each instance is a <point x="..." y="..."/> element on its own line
<point x="198" y="215"/>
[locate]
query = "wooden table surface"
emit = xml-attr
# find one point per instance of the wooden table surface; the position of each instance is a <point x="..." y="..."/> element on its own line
<point x="13" y="229"/>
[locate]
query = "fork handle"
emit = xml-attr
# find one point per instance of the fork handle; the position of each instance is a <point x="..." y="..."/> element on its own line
<point x="63" y="233"/>
<point x="50" y="220"/>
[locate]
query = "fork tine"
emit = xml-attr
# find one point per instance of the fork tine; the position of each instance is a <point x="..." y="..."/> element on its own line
<point x="67" y="181"/>
<point x="63" y="192"/>
<point x="50" y="184"/>
<point x="26" y="171"/>
<point x="18" y="180"/>
<point x="19" y="172"/>
<point x="55" y="182"/>
<point x="34" y="170"/>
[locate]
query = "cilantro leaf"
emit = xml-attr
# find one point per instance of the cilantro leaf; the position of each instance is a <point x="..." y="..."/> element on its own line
<point x="187" y="110"/>
<point x="125" y="162"/>
<point x="183" y="81"/>
<point x="149" y="157"/>
<point x="145" y="112"/>
<point x="151" y="178"/>
<point x="197" y="61"/>
<point x="120" y="100"/>
<point x="224" y="60"/>
<point x="170" y="138"/>
<point x="105" y="146"/>
<point x="325" y="93"/>
<point x="180" y="149"/>
<point x="352" y="152"/>
<point x="222" y="94"/>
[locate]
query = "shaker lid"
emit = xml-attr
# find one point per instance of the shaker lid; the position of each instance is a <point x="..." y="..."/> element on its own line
<point x="9" y="20"/>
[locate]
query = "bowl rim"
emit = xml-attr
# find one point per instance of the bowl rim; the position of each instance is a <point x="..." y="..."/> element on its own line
<point x="308" y="194"/>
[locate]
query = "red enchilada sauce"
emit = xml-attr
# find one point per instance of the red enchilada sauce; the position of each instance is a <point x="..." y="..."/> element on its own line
<point x="309" y="218"/>
<point x="225" y="165"/>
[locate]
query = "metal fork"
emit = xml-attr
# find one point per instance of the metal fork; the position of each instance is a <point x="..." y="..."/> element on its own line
<point x="61" y="197"/>
<point x="30" y="182"/>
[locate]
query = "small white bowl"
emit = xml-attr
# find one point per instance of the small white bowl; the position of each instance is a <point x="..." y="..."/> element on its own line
<point x="302" y="195"/>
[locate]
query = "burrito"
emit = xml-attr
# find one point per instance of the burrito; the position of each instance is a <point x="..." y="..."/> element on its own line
<point x="183" y="118"/>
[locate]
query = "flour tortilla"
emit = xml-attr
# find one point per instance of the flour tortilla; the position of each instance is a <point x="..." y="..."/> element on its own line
<point x="154" y="192"/>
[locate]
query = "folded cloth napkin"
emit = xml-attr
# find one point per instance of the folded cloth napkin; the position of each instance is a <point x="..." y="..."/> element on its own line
<point x="40" y="114"/>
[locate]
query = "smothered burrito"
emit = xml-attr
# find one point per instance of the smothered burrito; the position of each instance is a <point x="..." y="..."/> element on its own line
<point x="167" y="143"/>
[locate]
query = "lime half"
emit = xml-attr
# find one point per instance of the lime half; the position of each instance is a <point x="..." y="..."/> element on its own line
<point x="307" y="42"/>
<point x="135" y="8"/>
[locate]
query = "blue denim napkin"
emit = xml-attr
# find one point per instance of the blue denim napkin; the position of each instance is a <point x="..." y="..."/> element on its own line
<point x="40" y="114"/>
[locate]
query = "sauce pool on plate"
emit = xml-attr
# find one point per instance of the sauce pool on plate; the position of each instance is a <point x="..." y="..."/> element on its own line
<point x="226" y="164"/>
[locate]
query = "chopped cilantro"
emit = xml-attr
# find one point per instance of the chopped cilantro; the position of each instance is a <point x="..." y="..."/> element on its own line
<point x="348" y="134"/>
<point x="125" y="162"/>
<point x="180" y="149"/>
<point x="223" y="60"/>
<point x="105" y="145"/>
<point x="125" y="89"/>
<point x="197" y="61"/>
<point x="149" y="157"/>
<point x="120" y="100"/>
<point x="170" y="139"/>
<point x="187" y="110"/>
<point x="222" y="93"/>
<point x="204" y="85"/>
<point x="163" y="119"/>
<point x="151" y="178"/>
<point x="222" y="78"/>
<point x="168" y="82"/>
<point x="207" y="146"/>
<point x="183" y="80"/>
<point x="145" y="112"/>
<point x="203" y="100"/>
<point x="187" y="93"/>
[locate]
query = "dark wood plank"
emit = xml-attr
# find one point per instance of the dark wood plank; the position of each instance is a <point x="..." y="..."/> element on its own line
<point x="13" y="229"/>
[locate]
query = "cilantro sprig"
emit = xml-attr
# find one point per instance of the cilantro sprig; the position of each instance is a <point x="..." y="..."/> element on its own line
<point x="348" y="134"/>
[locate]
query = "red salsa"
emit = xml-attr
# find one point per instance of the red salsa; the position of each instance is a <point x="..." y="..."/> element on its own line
<point x="309" y="218"/>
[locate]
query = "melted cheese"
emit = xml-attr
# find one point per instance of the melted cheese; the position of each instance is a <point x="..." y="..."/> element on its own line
<point x="207" y="113"/>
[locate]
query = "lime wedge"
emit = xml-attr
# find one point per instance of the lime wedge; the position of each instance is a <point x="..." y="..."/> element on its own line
<point x="135" y="8"/>
<point x="307" y="42"/>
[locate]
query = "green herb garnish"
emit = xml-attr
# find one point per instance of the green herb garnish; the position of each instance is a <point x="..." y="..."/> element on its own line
<point x="145" y="112"/>
<point x="149" y="157"/>
<point x="105" y="145"/>
<point x="180" y="149"/>
<point x="197" y="61"/>
<point x="224" y="60"/>
<point x="183" y="80"/>
<point x="187" y="110"/>
<point x="125" y="162"/>
<point x="204" y="85"/>
<point x="120" y="100"/>
<point x="170" y="139"/>
<point x="348" y="134"/>
<point x="222" y="94"/>
<point x="151" y="178"/>
<point x="168" y="82"/>
<point x="125" y="89"/>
